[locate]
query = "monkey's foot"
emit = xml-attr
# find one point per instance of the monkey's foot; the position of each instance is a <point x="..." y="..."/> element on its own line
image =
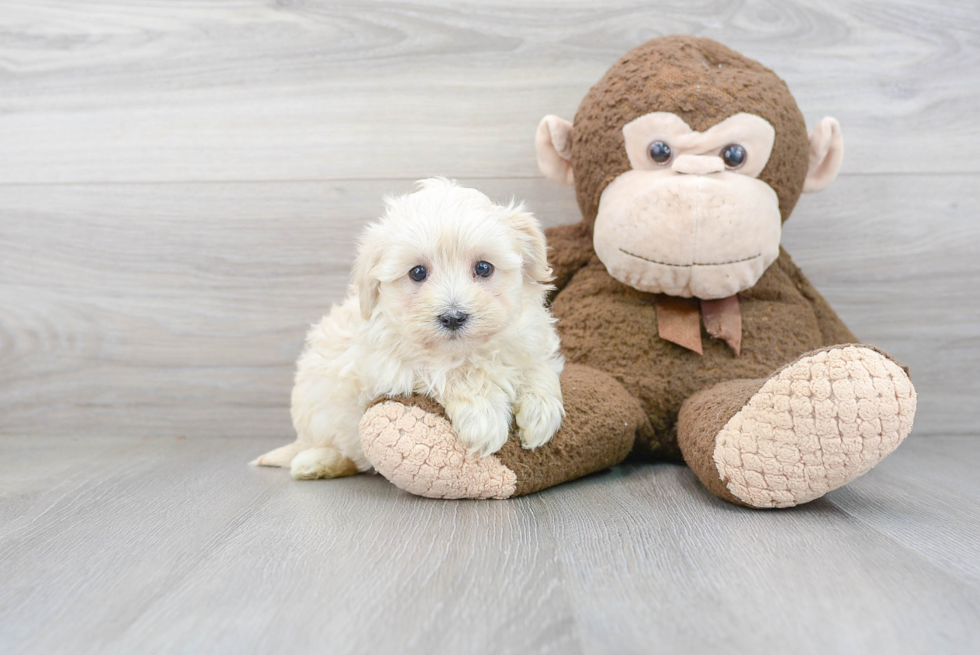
<point x="814" y="426"/>
<point x="410" y="441"/>
<point x="414" y="446"/>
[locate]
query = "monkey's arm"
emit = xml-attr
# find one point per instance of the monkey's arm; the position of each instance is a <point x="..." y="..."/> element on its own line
<point x="831" y="326"/>
<point x="569" y="249"/>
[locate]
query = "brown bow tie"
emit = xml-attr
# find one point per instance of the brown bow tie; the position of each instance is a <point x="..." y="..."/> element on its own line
<point x="678" y="321"/>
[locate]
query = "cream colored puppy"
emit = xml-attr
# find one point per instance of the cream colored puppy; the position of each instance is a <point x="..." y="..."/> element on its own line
<point x="447" y="300"/>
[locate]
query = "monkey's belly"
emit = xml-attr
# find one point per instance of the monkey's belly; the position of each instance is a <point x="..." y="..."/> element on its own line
<point x="612" y="327"/>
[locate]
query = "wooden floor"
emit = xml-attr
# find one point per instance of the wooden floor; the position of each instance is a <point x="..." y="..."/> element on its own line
<point x="181" y="186"/>
<point x="116" y="545"/>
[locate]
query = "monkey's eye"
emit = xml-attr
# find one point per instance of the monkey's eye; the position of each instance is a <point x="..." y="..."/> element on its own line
<point x="659" y="152"/>
<point x="418" y="274"/>
<point x="483" y="269"/>
<point x="734" y="156"/>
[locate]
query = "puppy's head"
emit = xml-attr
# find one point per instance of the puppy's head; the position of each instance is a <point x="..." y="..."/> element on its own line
<point x="447" y="266"/>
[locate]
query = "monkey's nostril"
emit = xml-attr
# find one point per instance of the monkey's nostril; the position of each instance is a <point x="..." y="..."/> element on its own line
<point x="453" y="320"/>
<point x="698" y="165"/>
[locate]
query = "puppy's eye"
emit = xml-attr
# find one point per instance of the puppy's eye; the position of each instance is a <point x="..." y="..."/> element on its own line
<point x="659" y="152"/>
<point x="418" y="274"/>
<point x="734" y="156"/>
<point x="483" y="269"/>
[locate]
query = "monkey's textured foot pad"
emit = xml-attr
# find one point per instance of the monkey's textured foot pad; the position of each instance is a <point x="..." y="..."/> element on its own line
<point x="814" y="426"/>
<point x="410" y="441"/>
<point x="419" y="452"/>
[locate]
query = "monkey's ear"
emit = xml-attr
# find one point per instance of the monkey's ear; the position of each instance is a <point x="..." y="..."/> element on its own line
<point x="532" y="244"/>
<point x="553" y="142"/>
<point x="364" y="277"/>
<point x="826" y="154"/>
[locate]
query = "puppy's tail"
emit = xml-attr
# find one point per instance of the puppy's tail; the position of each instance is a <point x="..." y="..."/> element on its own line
<point x="282" y="456"/>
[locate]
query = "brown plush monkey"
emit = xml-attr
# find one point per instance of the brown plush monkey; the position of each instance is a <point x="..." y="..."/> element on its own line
<point x="689" y="332"/>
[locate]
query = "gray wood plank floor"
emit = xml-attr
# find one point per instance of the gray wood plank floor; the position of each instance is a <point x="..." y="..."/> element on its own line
<point x="164" y="545"/>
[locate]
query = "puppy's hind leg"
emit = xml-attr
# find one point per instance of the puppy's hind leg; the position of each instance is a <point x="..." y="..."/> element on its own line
<point x="325" y="462"/>
<point x="331" y="446"/>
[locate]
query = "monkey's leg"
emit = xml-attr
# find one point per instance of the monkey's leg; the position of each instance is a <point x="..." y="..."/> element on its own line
<point x="811" y="427"/>
<point x="411" y="442"/>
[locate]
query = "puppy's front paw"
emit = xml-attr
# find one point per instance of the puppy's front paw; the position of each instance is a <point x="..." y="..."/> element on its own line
<point x="539" y="418"/>
<point x="480" y="426"/>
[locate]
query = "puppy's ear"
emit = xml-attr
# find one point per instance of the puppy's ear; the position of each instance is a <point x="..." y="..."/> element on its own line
<point x="364" y="276"/>
<point x="532" y="244"/>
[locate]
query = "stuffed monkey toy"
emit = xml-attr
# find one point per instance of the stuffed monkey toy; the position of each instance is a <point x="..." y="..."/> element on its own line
<point x="688" y="331"/>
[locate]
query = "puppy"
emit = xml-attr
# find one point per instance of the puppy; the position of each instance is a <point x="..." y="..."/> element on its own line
<point x="448" y="300"/>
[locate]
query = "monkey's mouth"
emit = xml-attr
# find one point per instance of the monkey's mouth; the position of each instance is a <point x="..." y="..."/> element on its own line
<point x="654" y="261"/>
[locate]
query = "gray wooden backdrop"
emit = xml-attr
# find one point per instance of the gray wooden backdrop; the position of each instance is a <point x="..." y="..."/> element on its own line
<point x="181" y="183"/>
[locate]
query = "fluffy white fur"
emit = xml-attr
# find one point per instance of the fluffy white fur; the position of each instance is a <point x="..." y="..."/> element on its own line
<point x="386" y="338"/>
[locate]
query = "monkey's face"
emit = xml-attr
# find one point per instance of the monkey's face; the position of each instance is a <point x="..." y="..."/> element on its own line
<point x="679" y="211"/>
<point x="691" y="217"/>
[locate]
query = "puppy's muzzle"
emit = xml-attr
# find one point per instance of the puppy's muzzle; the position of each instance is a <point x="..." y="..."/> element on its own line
<point x="453" y="320"/>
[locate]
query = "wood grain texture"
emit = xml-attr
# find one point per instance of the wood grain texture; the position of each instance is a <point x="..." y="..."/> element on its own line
<point x="163" y="545"/>
<point x="251" y="90"/>
<point x="179" y="309"/>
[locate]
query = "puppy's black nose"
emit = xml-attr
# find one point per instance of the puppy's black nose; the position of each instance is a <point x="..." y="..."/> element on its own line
<point x="453" y="320"/>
